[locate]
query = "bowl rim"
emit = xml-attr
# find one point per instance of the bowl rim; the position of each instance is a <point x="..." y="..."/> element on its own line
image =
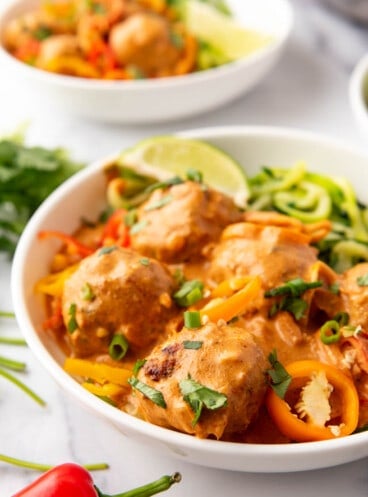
<point x="167" y="437"/>
<point x="358" y="79"/>
<point x="151" y="83"/>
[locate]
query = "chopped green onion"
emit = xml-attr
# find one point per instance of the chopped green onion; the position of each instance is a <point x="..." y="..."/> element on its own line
<point x="139" y="363"/>
<point x="107" y="250"/>
<point x="145" y="261"/>
<point x="176" y="180"/>
<point x="72" y="323"/>
<point x="192" y="344"/>
<point x="330" y="332"/>
<point x="342" y="318"/>
<point x="118" y="347"/>
<point x="192" y="319"/>
<point x="293" y="288"/>
<point x="362" y="280"/>
<point x="159" y="203"/>
<point x="195" y="175"/>
<point x="151" y="393"/>
<point x="189" y="293"/>
<point x="137" y="227"/>
<point x="87" y="292"/>
<point x="335" y="288"/>
<point x="130" y="218"/>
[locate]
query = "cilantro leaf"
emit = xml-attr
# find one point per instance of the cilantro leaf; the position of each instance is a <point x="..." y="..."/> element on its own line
<point x="199" y="396"/>
<point x="151" y="393"/>
<point x="279" y="378"/>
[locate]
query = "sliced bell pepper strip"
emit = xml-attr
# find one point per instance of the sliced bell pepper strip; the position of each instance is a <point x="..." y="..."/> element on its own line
<point x="235" y="305"/>
<point x="81" y="249"/>
<point x="299" y="430"/>
<point x="99" y="372"/>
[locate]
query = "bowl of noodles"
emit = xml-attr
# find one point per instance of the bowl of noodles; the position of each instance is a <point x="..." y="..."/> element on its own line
<point x="224" y="332"/>
<point x="141" y="61"/>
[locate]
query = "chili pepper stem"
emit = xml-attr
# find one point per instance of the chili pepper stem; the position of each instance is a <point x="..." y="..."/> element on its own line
<point x="155" y="487"/>
<point x="22" y="386"/>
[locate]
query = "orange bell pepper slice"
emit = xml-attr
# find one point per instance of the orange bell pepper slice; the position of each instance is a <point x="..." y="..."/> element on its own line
<point x="235" y="305"/>
<point x="298" y="430"/>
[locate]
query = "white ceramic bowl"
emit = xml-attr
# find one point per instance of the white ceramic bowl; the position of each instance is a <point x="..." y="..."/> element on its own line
<point x="144" y="101"/>
<point x="83" y="196"/>
<point x="358" y="93"/>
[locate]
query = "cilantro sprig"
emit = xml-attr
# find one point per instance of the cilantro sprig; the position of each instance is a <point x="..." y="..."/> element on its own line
<point x="27" y="176"/>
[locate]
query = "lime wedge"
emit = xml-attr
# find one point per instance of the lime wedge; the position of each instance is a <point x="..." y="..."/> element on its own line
<point x="166" y="156"/>
<point x="219" y="30"/>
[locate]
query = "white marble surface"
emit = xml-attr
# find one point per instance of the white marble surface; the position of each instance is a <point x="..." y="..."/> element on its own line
<point x="308" y="89"/>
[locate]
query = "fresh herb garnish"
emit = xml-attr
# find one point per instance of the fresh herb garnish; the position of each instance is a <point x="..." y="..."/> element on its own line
<point x="334" y="288"/>
<point x="42" y="32"/>
<point x="199" y="396"/>
<point x="137" y="227"/>
<point x="159" y="203"/>
<point x="118" y="347"/>
<point x="189" y="293"/>
<point x="87" y="292"/>
<point x="144" y="261"/>
<point x="107" y="250"/>
<point x="293" y="288"/>
<point x="362" y="280"/>
<point x="192" y="319"/>
<point x="139" y="363"/>
<point x="194" y="175"/>
<point x="72" y="323"/>
<point x="27" y="176"/>
<point x="151" y="393"/>
<point x="130" y="218"/>
<point x="291" y="301"/>
<point x="192" y="344"/>
<point x="279" y="378"/>
<point x="175" y="180"/>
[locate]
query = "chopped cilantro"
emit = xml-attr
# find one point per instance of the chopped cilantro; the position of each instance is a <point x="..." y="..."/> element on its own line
<point x="151" y="393"/>
<point x="72" y="323"/>
<point x="199" y="396"/>
<point x="279" y="378"/>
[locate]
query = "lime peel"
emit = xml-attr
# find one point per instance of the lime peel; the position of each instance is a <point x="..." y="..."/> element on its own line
<point x="165" y="156"/>
<point x="224" y="33"/>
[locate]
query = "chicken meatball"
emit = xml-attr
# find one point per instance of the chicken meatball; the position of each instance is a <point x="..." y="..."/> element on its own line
<point x="225" y="360"/>
<point x="355" y="295"/>
<point x="179" y="221"/>
<point x="274" y="253"/>
<point x="115" y="291"/>
<point x="57" y="46"/>
<point x="143" y="40"/>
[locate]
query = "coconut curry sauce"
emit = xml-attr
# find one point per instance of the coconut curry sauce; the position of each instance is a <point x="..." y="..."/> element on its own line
<point x="189" y="313"/>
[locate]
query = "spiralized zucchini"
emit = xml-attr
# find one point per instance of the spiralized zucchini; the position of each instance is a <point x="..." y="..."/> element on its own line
<point x="312" y="197"/>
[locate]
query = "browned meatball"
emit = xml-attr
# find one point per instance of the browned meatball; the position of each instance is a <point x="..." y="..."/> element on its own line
<point x="115" y="292"/>
<point x="274" y="253"/>
<point x="355" y="296"/>
<point x="228" y="361"/>
<point x="143" y="40"/>
<point x="178" y="222"/>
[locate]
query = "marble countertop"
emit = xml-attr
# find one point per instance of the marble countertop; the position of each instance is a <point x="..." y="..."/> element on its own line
<point x="309" y="90"/>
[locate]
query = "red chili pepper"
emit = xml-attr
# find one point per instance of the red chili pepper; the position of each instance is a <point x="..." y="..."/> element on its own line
<point x="72" y="480"/>
<point x="69" y="240"/>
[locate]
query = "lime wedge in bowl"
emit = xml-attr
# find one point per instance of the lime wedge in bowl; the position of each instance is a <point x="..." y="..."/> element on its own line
<point x="222" y="32"/>
<point x="166" y="156"/>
